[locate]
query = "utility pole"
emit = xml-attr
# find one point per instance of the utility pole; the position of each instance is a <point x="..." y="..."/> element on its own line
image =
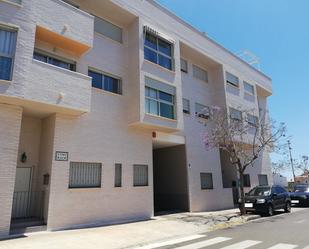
<point x="292" y="165"/>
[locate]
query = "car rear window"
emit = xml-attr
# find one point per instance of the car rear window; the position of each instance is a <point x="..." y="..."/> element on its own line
<point x="260" y="191"/>
<point x="301" y="188"/>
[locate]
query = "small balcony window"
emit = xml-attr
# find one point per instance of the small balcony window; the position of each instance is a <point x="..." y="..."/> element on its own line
<point x="202" y="111"/>
<point x="7" y="52"/>
<point x="158" y="50"/>
<point x="105" y="82"/>
<point x="249" y="89"/>
<point x="53" y="60"/>
<point x="200" y="73"/>
<point x="232" y="79"/>
<point x="252" y="120"/>
<point x="235" y="114"/>
<point x="183" y="65"/>
<point x="107" y="29"/>
<point x="186" y="106"/>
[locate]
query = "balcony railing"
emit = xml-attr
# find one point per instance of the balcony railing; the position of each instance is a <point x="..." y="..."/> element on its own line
<point x="28" y="204"/>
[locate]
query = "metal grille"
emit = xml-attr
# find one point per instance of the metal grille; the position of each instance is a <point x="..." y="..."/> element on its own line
<point x="28" y="204"/>
<point x="263" y="181"/>
<point x="140" y="177"/>
<point x="206" y="181"/>
<point x="118" y="174"/>
<point x="85" y="175"/>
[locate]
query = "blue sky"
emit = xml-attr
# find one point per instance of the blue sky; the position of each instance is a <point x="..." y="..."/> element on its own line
<point x="277" y="32"/>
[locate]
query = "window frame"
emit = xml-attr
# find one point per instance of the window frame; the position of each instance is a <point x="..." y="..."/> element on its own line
<point x="86" y="186"/>
<point x="158" y="101"/>
<point x="202" y="114"/>
<point x="252" y="123"/>
<point x="12" y="57"/>
<point x="48" y="55"/>
<point x="185" y="62"/>
<point x="250" y="85"/>
<point x="202" y="70"/>
<point x="203" y="187"/>
<point x="103" y="74"/>
<point x="104" y="35"/>
<point x="231" y="82"/>
<point x="189" y="108"/>
<point x="158" y="52"/>
<point x="233" y="118"/>
<point x="147" y="174"/>
<point x="259" y="178"/>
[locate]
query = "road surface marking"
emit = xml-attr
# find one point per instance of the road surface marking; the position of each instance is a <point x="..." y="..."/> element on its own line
<point x="172" y="242"/>
<point x="242" y="245"/>
<point x="205" y="243"/>
<point x="283" y="246"/>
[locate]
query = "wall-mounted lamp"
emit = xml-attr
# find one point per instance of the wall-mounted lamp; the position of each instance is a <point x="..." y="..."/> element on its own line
<point x="23" y="157"/>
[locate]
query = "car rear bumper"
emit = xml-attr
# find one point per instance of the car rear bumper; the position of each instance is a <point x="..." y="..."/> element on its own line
<point x="257" y="207"/>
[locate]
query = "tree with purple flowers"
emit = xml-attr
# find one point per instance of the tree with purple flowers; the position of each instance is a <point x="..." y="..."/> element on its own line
<point x="243" y="137"/>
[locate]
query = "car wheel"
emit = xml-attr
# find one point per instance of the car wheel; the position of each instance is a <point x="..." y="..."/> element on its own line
<point x="287" y="208"/>
<point x="270" y="210"/>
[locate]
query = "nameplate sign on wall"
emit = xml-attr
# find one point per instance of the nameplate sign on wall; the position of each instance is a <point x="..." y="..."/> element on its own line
<point x="62" y="156"/>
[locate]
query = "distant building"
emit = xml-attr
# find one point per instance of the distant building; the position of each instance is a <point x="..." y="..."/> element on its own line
<point x="280" y="180"/>
<point x="304" y="178"/>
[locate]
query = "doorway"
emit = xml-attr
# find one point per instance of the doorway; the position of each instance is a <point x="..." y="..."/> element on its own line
<point x="170" y="180"/>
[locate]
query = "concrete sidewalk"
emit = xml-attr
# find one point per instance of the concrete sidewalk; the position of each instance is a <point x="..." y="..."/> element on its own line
<point x="130" y="235"/>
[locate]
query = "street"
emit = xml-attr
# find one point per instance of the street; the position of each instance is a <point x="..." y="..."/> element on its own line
<point x="282" y="231"/>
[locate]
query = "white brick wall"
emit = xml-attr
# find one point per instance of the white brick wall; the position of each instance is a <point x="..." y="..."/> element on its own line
<point x="10" y="123"/>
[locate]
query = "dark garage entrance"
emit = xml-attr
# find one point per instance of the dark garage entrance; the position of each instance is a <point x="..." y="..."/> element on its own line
<point x="170" y="180"/>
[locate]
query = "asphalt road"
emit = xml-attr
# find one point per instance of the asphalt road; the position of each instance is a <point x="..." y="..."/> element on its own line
<point x="282" y="231"/>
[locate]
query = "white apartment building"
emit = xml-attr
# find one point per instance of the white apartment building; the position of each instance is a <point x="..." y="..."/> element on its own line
<point x="100" y="113"/>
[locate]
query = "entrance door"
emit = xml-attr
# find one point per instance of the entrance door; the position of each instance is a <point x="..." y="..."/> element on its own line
<point x="22" y="193"/>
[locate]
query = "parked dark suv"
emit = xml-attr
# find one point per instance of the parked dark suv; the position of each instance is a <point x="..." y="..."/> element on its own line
<point x="266" y="199"/>
<point x="300" y="196"/>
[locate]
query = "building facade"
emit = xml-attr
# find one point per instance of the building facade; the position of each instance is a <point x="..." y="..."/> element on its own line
<point x="103" y="107"/>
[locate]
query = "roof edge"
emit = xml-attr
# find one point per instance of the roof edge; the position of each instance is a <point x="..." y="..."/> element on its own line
<point x="170" y="13"/>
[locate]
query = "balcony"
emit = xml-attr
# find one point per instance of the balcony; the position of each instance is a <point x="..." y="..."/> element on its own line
<point x="58" y="87"/>
<point x="63" y="25"/>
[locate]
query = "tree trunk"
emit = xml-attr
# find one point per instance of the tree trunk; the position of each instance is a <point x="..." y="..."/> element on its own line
<point x="242" y="192"/>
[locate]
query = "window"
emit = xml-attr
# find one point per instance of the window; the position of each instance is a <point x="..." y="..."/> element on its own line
<point x="85" y="175"/>
<point x="206" y="181"/>
<point x="235" y="114"/>
<point x="232" y="79"/>
<point x="202" y="111"/>
<point x="249" y="89"/>
<point x="158" y="50"/>
<point x="140" y="175"/>
<point x="186" y="106"/>
<point x="54" y="60"/>
<point x="107" y="29"/>
<point x="7" y="52"/>
<point x="159" y="103"/>
<point x="263" y="181"/>
<point x="118" y="175"/>
<point x="183" y="65"/>
<point x="105" y="82"/>
<point x="247" y="180"/>
<point x="200" y="73"/>
<point x="252" y="120"/>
